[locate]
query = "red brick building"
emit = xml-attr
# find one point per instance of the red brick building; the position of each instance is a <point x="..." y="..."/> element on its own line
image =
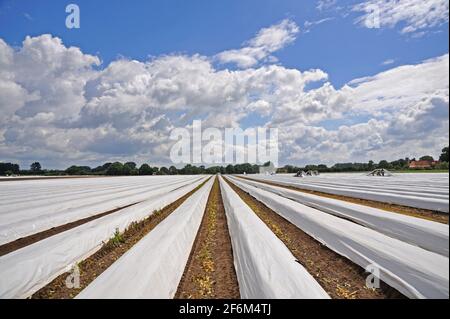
<point x="423" y="164"/>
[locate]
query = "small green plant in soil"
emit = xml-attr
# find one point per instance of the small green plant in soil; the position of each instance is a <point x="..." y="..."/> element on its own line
<point x="117" y="239"/>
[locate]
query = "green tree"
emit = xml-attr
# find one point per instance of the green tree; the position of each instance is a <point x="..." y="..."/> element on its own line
<point x="126" y="170"/>
<point x="442" y="165"/>
<point x="383" y="164"/>
<point x="229" y="169"/>
<point x="426" y="158"/>
<point x="173" y="170"/>
<point x="131" y="165"/>
<point x="164" y="171"/>
<point x="78" y="170"/>
<point x="444" y="155"/>
<point x="115" y="169"/>
<point x="98" y="169"/>
<point x="399" y="164"/>
<point x="9" y="169"/>
<point x="213" y="170"/>
<point x="188" y="170"/>
<point x="145" y="169"/>
<point x="35" y="167"/>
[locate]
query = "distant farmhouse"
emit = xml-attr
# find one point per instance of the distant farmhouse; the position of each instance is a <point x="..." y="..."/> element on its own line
<point x="268" y="169"/>
<point x="423" y="164"/>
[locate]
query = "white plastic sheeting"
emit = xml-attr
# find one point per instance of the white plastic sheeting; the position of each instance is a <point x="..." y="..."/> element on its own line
<point x="26" y="270"/>
<point x="28" y="207"/>
<point x="415" y="272"/>
<point x="424" y="233"/>
<point x="154" y="266"/>
<point x="426" y="191"/>
<point x="264" y="265"/>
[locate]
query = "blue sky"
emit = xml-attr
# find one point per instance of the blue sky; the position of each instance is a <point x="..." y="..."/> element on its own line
<point x="151" y="28"/>
<point x="323" y="38"/>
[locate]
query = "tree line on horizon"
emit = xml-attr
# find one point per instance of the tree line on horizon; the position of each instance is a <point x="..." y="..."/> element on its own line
<point x="131" y="168"/>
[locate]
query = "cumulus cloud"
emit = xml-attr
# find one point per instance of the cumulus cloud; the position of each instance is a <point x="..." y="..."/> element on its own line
<point x="60" y="108"/>
<point x="408" y="115"/>
<point x="267" y="41"/>
<point x="397" y="89"/>
<point x="414" y="16"/>
<point x="55" y="101"/>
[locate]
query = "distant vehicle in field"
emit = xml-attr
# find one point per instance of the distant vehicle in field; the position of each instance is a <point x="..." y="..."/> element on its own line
<point x="307" y="173"/>
<point x="380" y="172"/>
<point x="300" y="174"/>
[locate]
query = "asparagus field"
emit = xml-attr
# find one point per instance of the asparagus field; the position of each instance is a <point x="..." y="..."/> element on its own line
<point x="232" y="236"/>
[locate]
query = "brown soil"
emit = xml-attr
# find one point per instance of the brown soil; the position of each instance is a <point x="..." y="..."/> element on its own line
<point x="25" y="241"/>
<point x="210" y="273"/>
<point x="94" y="265"/>
<point x="339" y="277"/>
<point x="436" y="216"/>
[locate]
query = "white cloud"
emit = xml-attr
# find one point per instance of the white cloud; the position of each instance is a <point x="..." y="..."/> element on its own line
<point x="59" y="109"/>
<point x="267" y="41"/>
<point x="388" y="62"/>
<point x="308" y="25"/>
<point x="399" y="88"/>
<point x="325" y="4"/>
<point x="414" y="16"/>
<point x="408" y="115"/>
<point x="47" y="69"/>
<point x="28" y="16"/>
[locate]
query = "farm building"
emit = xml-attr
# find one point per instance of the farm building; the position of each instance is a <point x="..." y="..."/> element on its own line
<point x="423" y="164"/>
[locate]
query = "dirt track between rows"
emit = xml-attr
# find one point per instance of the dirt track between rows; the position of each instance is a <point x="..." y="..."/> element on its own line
<point x="393" y="208"/>
<point x="338" y="276"/>
<point x="96" y="264"/>
<point x="210" y="273"/>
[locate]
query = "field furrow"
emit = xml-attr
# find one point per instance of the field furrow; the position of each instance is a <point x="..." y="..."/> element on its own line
<point x="210" y="273"/>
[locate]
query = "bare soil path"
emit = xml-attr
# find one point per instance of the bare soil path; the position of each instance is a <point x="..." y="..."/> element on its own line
<point x="210" y="273"/>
